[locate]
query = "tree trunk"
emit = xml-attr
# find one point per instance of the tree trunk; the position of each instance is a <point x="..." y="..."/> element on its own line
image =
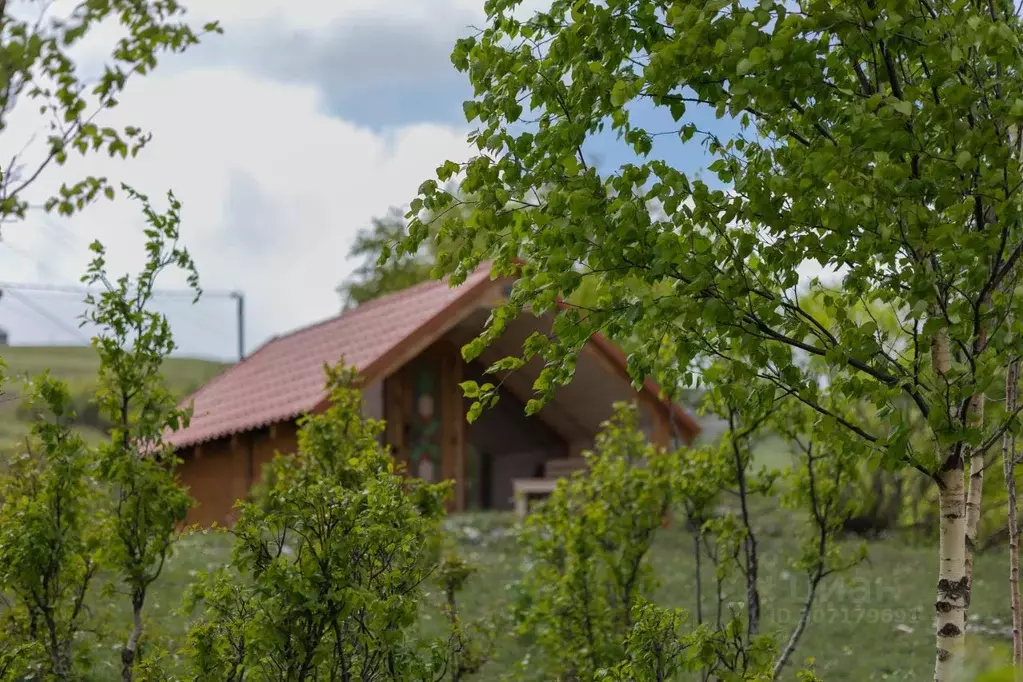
<point x="697" y="532"/>
<point x="978" y="462"/>
<point x="953" y="585"/>
<point x="797" y="632"/>
<point x="749" y="541"/>
<point x="1009" y="469"/>
<point x="953" y="590"/>
<point x="128" y="654"/>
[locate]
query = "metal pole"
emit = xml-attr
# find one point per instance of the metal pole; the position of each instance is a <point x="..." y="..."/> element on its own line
<point x="239" y="298"/>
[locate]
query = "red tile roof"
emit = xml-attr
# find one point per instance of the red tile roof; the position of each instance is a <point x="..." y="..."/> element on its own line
<point x="284" y="378"/>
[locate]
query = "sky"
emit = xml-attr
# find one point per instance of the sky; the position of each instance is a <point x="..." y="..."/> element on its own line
<point x="282" y="138"/>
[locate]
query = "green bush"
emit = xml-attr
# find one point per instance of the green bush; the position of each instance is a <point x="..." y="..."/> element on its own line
<point x="327" y="572"/>
<point x="49" y="542"/>
<point x="586" y="552"/>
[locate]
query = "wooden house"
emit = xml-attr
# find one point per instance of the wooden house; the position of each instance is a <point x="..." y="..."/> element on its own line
<point x="406" y="349"/>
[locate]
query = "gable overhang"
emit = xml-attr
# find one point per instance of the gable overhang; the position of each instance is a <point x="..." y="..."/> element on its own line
<point x="601" y="378"/>
<point x="478" y="299"/>
<point x="427" y="334"/>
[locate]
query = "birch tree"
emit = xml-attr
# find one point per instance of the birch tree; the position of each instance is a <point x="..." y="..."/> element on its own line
<point x="148" y="504"/>
<point x="871" y="139"/>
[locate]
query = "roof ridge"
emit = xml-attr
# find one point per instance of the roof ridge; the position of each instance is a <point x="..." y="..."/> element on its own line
<point x="363" y="307"/>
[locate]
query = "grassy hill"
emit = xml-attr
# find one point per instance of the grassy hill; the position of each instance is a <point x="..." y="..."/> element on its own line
<point x="78" y="366"/>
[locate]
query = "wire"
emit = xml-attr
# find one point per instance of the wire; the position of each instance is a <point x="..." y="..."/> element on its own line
<point x="42" y="312"/>
<point x="72" y="289"/>
<point x="65" y="237"/>
<point x="195" y="320"/>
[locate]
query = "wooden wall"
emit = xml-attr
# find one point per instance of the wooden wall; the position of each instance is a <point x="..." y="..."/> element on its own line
<point x="221" y="472"/>
<point x="445" y="359"/>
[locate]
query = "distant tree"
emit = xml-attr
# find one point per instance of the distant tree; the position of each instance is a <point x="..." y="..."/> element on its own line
<point x="373" y="277"/>
<point x="384" y="268"/>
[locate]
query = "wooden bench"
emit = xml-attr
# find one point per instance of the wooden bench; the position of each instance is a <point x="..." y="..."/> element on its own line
<point x="523" y="489"/>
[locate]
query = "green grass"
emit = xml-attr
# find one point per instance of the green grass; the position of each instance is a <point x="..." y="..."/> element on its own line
<point x="873" y="623"/>
<point x="78" y="366"/>
<point x="80" y="363"/>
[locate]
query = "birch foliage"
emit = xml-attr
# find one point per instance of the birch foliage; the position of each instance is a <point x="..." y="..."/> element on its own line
<point x="872" y="139"/>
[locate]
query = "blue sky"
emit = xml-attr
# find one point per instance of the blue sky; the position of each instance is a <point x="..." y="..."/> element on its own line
<point x="282" y="138"/>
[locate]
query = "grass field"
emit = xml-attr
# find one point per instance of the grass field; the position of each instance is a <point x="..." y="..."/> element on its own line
<point x="873" y="623"/>
<point x="77" y="366"/>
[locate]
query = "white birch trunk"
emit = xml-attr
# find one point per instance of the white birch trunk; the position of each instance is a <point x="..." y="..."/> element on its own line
<point x="953" y="586"/>
<point x="978" y="463"/>
<point x="953" y="589"/>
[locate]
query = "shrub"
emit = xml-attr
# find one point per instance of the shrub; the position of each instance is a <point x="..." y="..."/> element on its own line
<point x="69" y="511"/>
<point x="586" y="552"/>
<point x="328" y="566"/>
<point x="49" y="542"/>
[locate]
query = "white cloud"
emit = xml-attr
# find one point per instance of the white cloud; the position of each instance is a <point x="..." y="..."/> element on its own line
<point x="234" y="146"/>
<point x="273" y="188"/>
<point x="312" y="14"/>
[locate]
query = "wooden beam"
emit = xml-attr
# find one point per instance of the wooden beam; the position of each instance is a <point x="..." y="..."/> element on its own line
<point x="394" y="415"/>
<point x="521" y="386"/>
<point x="250" y="463"/>
<point x="453" y="415"/>
<point x="662" y="430"/>
<point x="459" y="440"/>
<point x="449" y="414"/>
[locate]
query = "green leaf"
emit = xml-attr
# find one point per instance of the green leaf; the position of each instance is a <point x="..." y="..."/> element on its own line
<point x="902" y="106"/>
<point x="571" y="164"/>
<point x="470" y="389"/>
<point x="619" y="93"/>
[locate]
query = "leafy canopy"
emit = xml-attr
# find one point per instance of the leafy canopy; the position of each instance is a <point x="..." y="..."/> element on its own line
<point x="873" y="142"/>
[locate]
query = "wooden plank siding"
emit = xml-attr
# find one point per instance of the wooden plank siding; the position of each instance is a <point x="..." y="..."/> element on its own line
<point x="396" y="397"/>
<point x="446" y="358"/>
<point x="453" y="421"/>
